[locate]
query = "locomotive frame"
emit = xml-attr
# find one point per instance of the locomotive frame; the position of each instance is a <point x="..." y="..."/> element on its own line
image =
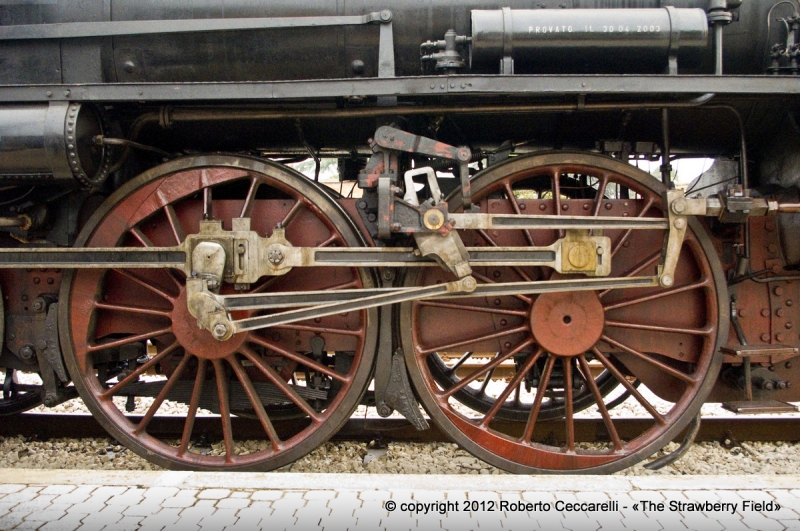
<point x="189" y="263"/>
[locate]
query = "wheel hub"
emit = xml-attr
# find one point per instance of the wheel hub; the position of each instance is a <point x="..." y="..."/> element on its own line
<point x="198" y="341"/>
<point x="567" y="324"/>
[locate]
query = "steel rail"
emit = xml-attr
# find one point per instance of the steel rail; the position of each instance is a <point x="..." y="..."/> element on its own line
<point x="726" y="430"/>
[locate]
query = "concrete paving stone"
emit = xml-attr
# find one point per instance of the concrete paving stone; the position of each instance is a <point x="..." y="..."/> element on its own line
<point x="280" y="521"/>
<point x="130" y="497"/>
<point x="12" y="520"/>
<point x="700" y="522"/>
<point x="54" y="511"/>
<point x="701" y="496"/>
<point x="292" y="494"/>
<point x="107" y="516"/>
<point x="252" y="516"/>
<point x="25" y="495"/>
<point x="238" y="526"/>
<point x="161" y="493"/>
<point x="79" y="495"/>
<point x="147" y="507"/>
<point x="319" y="495"/>
<point x="220" y="519"/>
<point x="163" y="518"/>
<point x="755" y="495"/>
<point x="128" y="523"/>
<point x="580" y="522"/>
<point x="265" y="506"/>
<point x="482" y="495"/>
<point x="91" y="526"/>
<point x="760" y="522"/>
<point x="232" y="503"/>
<point x="40" y="502"/>
<point x="537" y="496"/>
<point x="288" y="505"/>
<point x="348" y="507"/>
<point x="68" y="522"/>
<point x="193" y="515"/>
<point x="213" y="494"/>
<point x="339" y="523"/>
<point x="792" y="524"/>
<point x="646" y="495"/>
<point x="639" y="520"/>
<point x="781" y="496"/>
<point x="266" y="495"/>
<point x="593" y="497"/>
<point x="735" y="525"/>
<point x="28" y="526"/>
<point x="57" y="489"/>
<point x="428" y="496"/>
<point x="309" y="520"/>
<point x="205" y="503"/>
<point x="567" y="497"/>
<point x="784" y="514"/>
<point x="510" y="496"/>
<point x="181" y="500"/>
<point x="730" y="496"/>
<point x="375" y="495"/>
<point x="8" y="488"/>
<point x="241" y="494"/>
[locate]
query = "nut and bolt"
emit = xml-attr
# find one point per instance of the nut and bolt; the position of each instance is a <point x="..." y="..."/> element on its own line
<point x="667" y="280"/>
<point x="220" y="330"/>
<point x="275" y="256"/>
<point x="679" y="206"/>
<point x="27" y="353"/>
<point x="680" y="223"/>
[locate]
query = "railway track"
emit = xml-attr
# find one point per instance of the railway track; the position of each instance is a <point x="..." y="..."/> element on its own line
<point x="722" y="429"/>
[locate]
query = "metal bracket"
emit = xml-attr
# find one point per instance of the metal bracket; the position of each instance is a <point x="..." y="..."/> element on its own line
<point x="446" y="249"/>
<point x="400" y="394"/>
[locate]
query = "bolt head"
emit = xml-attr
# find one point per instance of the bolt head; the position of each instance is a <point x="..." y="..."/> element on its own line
<point x="680" y="223"/>
<point x="666" y="280"/>
<point x="220" y="330"/>
<point x="679" y="206"/>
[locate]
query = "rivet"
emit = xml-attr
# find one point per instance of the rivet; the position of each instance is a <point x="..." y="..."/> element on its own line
<point x="764" y="312"/>
<point x="441" y="86"/>
<point x="50" y="280"/>
<point x="743" y="312"/>
<point x="507" y="344"/>
<point x="769" y="225"/>
<point x="608" y="206"/>
<point x="764" y="338"/>
<point x="36" y="280"/>
<point x="49" y="93"/>
<point x="70" y="130"/>
<point x="565" y="207"/>
<point x="778" y="291"/>
<point x="789" y="302"/>
<point x="452" y="85"/>
<point x="780" y="312"/>
<point x="523" y="206"/>
<point x="503" y="322"/>
<point x="779" y="337"/>
<point x="433" y="86"/>
<point x="66" y="93"/>
<point x="542" y="206"/>
<point x="586" y="206"/>
<point x="626" y="244"/>
<point x="496" y="273"/>
<point x="788" y="326"/>
<point x="497" y="302"/>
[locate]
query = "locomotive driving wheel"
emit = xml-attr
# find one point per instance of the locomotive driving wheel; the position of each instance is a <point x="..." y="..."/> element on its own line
<point x="567" y="350"/>
<point x="131" y="344"/>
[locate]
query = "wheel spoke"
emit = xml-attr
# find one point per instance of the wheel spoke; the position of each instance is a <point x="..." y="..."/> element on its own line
<point x="173" y="379"/>
<point x="460" y="362"/>
<point x="321" y="329"/>
<point x="249" y="200"/>
<point x="275" y="378"/>
<point x="541" y="389"/>
<point x="292" y="213"/>
<point x="299" y="358"/>
<point x="568" y="391"/>
<point x="708" y="330"/>
<point x="631" y="389"/>
<point x="139" y="370"/>
<point x="333" y="238"/>
<point x="600" y="195"/>
<point x="131" y="309"/>
<point x="513" y="385"/>
<point x="481" y="370"/>
<point x="627" y="233"/>
<point x="140" y="237"/>
<point x="252" y="394"/>
<point x="224" y="408"/>
<point x="487" y="280"/>
<point x="515" y="206"/>
<point x="128" y="340"/>
<point x="175" y="224"/>
<point x="658" y="295"/>
<point x="586" y="375"/>
<point x="147" y="285"/>
<point x="194" y="404"/>
<point x="665" y="368"/>
<point x="469" y="308"/>
<point x="650" y="260"/>
<point x="450" y="346"/>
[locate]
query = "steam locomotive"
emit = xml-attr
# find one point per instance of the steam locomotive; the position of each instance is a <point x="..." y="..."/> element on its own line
<point x="490" y="251"/>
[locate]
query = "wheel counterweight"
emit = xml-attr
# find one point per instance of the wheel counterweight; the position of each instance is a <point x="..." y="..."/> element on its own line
<point x="130" y="342"/>
<point x="666" y="337"/>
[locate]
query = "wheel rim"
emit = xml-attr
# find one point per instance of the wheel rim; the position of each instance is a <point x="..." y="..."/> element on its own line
<point x="553" y="337"/>
<point x="268" y="374"/>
